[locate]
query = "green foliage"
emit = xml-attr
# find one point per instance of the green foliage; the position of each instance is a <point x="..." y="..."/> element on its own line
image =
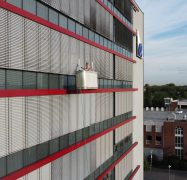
<point x="154" y="95"/>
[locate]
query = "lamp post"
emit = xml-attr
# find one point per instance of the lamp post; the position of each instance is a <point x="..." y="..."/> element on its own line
<point x="169" y="166"/>
<point x="151" y="159"/>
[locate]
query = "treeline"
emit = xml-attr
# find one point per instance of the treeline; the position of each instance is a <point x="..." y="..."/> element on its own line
<point x="154" y="95"/>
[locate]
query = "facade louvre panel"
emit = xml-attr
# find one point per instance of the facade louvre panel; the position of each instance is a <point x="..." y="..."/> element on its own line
<point x="56" y="169"/>
<point x="31" y="45"/>
<point x="66" y="171"/>
<point x="92" y="108"/>
<point x="87" y="12"/>
<point x="65" y="6"/>
<point x="98" y="107"/>
<point x="3" y="38"/>
<point x="3" y="126"/>
<point x="73" y="113"/>
<point x="87" y="152"/>
<point x="65" y="106"/>
<point x="73" y="61"/>
<point x="55" y="116"/>
<point x="81" y="11"/>
<point x="55" y="51"/>
<point x="44" y="119"/>
<point x="74" y="9"/>
<point x="16" y="124"/>
<point x="80" y="111"/>
<point x="102" y="64"/>
<point x="81" y="160"/>
<point x="16" y="41"/>
<point x="45" y="172"/>
<point x="64" y="53"/>
<point x="32" y="123"/>
<point x="44" y="49"/>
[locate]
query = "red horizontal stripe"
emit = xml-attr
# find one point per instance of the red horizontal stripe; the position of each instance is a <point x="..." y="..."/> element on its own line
<point x="116" y="162"/>
<point x="116" y="16"/>
<point x="46" y="92"/>
<point x="44" y="22"/>
<point x="134" y="172"/>
<point x="38" y="164"/>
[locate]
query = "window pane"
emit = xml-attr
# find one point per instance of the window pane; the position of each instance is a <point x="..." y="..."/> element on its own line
<point x="30" y="6"/>
<point x="71" y="82"/>
<point x="42" y="150"/>
<point x="101" y="41"/>
<point x="2" y="166"/>
<point x="91" y="35"/>
<point x="29" y="155"/>
<point x="71" y="25"/>
<point x="85" y="32"/>
<point x="2" y="78"/>
<point x="14" y="79"/>
<point x="42" y="11"/>
<point x="97" y="38"/>
<point x="79" y="135"/>
<point x="53" y="81"/>
<point x="72" y="138"/>
<point x="14" y="162"/>
<point x="42" y="81"/>
<point x="105" y="42"/>
<point x="53" y="16"/>
<point x="17" y="3"/>
<point x="78" y="29"/>
<point x="64" y="141"/>
<point x="54" y="146"/>
<point x="63" y="21"/>
<point x="29" y="80"/>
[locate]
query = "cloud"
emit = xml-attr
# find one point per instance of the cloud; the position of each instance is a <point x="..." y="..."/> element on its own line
<point x="165" y="41"/>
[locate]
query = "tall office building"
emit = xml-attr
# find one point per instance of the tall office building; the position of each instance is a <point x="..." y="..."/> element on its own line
<point x="51" y="128"/>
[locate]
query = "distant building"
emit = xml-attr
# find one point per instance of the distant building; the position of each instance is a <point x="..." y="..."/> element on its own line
<point x="164" y="134"/>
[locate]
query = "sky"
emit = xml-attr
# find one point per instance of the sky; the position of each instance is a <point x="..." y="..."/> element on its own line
<point x="165" y="41"/>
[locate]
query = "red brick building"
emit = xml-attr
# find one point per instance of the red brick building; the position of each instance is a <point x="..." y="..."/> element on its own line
<point x="170" y="138"/>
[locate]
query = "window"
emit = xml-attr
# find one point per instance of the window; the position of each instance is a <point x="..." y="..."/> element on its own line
<point x="29" y="155"/>
<point x="14" y="79"/>
<point x="53" y="16"/>
<point x="91" y="35"/>
<point x="149" y="140"/>
<point x="42" y="150"/>
<point x="71" y="82"/>
<point x="29" y="80"/>
<point x="97" y="38"/>
<point x="158" y="140"/>
<point x="3" y="166"/>
<point x="85" y="32"/>
<point x="2" y="79"/>
<point x="63" y="21"/>
<point x="42" y="11"/>
<point x="54" y="146"/>
<point x="101" y="41"/>
<point x="78" y="29"/>
<point x="42" y="81"/>
<point x="30" y="6"/>
<point x="105" y="42"/>
<point x="17" y="3"/>
<point x="79" y="135"/>
<point x="53" y="81"/>
<point x="14" y="161"/>
<point x="71" y="25"/>
<point x="64" y="141"/>
<point x="72" y="138"/>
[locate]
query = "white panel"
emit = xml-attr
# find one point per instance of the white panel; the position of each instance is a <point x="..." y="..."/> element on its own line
<point x="74" y="9"/>
<point x="65" y="106"/>
<point x="73" y="113"/>
<point x="55" y="51"/>
<point x="34" y="175"/>
<point x="87" y="159"/>
<point x="17" y="124"/>
<point x="56" y="169"/>
<point x="45" y="172"/>
<point x="3" y="126"/>
<point x="87" y="108"/>
<point x="64" y="53"/>
<point x="74" y="165"/>
<point x="44" y="49"/>
<point x="45" y="127"/>
<point x="66" y="171"/>
<point x="81" y="161"/>
<point x="65" y="6"/>
<point x="81" y="11"/>
<point x="3" y="38"/>
<point x="55" y="116"/>
<point x="80" y="111"/>
<point x="92" y="108"/>
<point x="31" y="45"/>
<point x="102" y="110"/>
<point x="98" y="107"/>
<point x="74" y="56"/>
<point x="16" y="41"/>
<point x="32" y="113"/>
